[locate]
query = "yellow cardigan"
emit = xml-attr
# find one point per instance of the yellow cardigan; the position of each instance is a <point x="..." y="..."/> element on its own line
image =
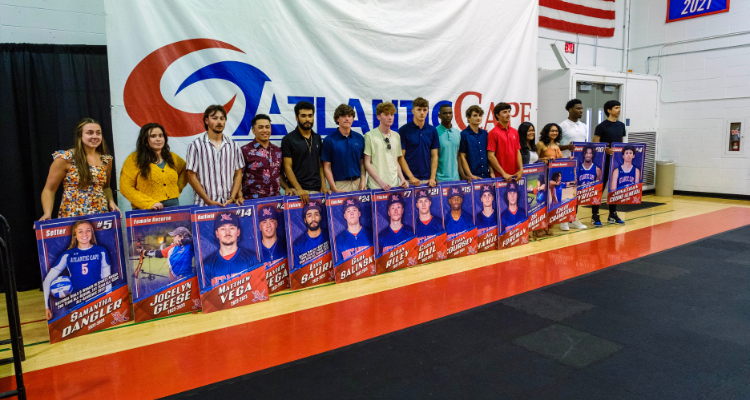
<point x="161" y="184"/>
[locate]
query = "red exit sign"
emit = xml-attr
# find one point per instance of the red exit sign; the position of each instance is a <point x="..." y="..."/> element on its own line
<point x="570" y="47"/>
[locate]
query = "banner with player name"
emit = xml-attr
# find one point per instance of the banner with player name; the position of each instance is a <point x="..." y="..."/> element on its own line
<point x="514" y="224"/>
<point x="160" y="251"/>
<point x="485" y="214"/>
<point x="458" y="204"/>
<point x="395" y="240"/>
<point x="626" y="173"/>
<point x="230" y="273"/>
<point x="536" y="195"/>
<point x="272" y="243"/>
<point x="307" y="240"/>
<point x="590" y="172"/>
<point x="561" y="191"/>
<point x="428" y="225"/>
<point x="350" y="225"/>
<point x="83" y="274"/>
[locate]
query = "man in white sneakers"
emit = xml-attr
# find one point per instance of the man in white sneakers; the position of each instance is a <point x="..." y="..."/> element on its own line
<point x="573" y="130"/>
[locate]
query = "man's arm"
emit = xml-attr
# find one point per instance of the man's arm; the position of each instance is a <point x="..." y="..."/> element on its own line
<point x="496" y="165"/>
<point x="192" y="179"/>
<point x="613" y="181"/>
<point x="461" y="171"/>
<point x="519" y="165"/>
<point x="465" y="165"/>
<point x="362" y="175"/>
<point x="323" y="186"/>
<point x="283" y="182"/>
<point x="329" y="176"/>
<point x="302" y="193"/>
<point x="404" y="182"/>
<point x="405" y="169"/>
<point x="433" y="167"/>
<point x="373" y="174"/>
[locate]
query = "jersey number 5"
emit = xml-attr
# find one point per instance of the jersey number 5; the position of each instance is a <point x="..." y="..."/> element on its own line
<point x="84" y="269"/>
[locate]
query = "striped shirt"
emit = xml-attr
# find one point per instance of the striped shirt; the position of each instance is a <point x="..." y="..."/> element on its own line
<point x="214" y="167"/>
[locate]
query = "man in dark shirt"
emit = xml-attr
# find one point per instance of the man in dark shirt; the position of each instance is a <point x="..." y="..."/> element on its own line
<point x="300" y="150"/>
<point x="473" y="147"/>
<point x="609" y="131"/>
<point x="419" y="144"/>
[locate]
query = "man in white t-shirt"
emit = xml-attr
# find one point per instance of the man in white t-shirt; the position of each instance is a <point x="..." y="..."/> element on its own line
<point x="573" y="130"/>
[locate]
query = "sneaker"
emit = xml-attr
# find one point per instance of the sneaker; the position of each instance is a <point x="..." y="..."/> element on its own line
<point x="577" y="225"/>
<point x="564" y="227"/>
<point x="595" y="220"/>
<point x="614" y="219"/>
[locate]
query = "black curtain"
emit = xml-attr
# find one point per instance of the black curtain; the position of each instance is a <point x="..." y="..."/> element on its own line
<point x="44" y="91"/>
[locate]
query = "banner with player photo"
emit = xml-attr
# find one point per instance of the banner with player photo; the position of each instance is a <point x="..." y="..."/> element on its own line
<point x="626" y="173"/>
<point x="459" y="219"/>
<point x="590" y="173"/>
<point x="514" y="224"/>
<point x="83" y="274"/>
<point x="395" y="240"/>
<point x="428" y="225"/>
<point x="272" y="243"/>
<point x="160" y="250"/>
<point x="350" y="224"/>
<point x="485" y="214"/>
<point x="561" y="191"/>
<point x="230" y="273"/>
<point x="536" y="195"/>
<point x="307" y="240"/>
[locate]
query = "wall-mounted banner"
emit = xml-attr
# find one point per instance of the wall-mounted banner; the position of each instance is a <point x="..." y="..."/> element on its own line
<point x="350" y="223"/>
<point x="678" y="10"/>
<point x="428" y="224"/>
<point x="272" y="246"/>
<point x="514" y="224"/>
<point x="485" y="214"/>
<point x="83" y="274"/>
<point x="561" y="191"/>
<point x="626" y="173"/>
<point x="590" y="172"/>
<point x="161" y="266"/>
<point x="458" y="204"/>
<point x="536" y="195"/>
<point x="308" y="242"/>
<point x="395" y="240"/>
<point x="226" y="251"/>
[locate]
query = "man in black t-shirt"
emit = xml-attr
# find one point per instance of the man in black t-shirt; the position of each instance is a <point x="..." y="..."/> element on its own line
<point x="300" y="150"/>
<point x="609" y="131"/>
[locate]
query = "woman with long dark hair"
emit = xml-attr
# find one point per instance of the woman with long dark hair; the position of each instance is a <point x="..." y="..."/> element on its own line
<point x="153" y="177"/>
<point x="549" y="140"/>
<point x="527" y="137"/>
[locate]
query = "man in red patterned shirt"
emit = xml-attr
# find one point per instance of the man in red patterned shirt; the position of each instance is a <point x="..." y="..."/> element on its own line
<point x="263" y="174"/>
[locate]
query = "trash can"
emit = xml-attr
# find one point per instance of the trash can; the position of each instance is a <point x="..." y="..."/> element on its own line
<point x="665" y="178"/>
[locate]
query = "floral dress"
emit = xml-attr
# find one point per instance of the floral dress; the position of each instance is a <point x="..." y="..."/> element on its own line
<point x="86" y="201"/>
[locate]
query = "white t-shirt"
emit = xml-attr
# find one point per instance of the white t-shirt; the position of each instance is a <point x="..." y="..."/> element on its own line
<point x="573" y="132"/>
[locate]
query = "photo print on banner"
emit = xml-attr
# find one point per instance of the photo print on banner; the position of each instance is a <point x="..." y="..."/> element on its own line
<point x="160" y="263"/>
<point x="626" y="173"/>
<point x="514" y="224"/>
<point x="590" y="172"/>
<point x="561" y="191"/>
<point x="485" y="214"/>
<point x="83" y="274"/>
<point x="230" y="273"/>
<point x="536" y="195"/>
<point x="272" y="244"/>
<point x="428" y="225"/>
<point x="459" y="219"/>
<point x="308" y="242"/>
<point x="350" y="225"/>
<point x="395" y="240"/>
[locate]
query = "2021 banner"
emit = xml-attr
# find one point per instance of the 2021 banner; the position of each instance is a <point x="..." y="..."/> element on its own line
<point x="626" y="173"/>
<point x="536" y="195"/>
<point x="561" y="191"/>
<point x="308" y="242"/>
<point x="590" y="172"/>
<point x="350" y="224"/>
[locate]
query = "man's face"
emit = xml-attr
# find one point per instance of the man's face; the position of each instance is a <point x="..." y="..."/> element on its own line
<point x="504" y="117"/>
<point x="312" y="220"/>
<point x="84" y="234"/>
<point x="177" y="239"/>
<point x="576" y="111"/>
<point x="628" y="155"/>
<point x="345" y="122"/>
<point x="385" y="119"/>
<point x="262" y="130"/>
<point x="420" y="114"/>
<point x="615" y="111"/>
<point x="423" y="205"/>
<point x="512" y="198"/>
<point x="228" y="234"/>
<point x="305" y="119"/>
<point x="396" y="211"/>
<point x="588" y="156"/>
<point x="486" y="199"/>
<point x="268" y="228"/>
<point x="475" y="118"/>
<point x="216" y="121"/>
<point x="351" y="215"/>
<point x="446" y="115"/>
<point x="456" y="202"/>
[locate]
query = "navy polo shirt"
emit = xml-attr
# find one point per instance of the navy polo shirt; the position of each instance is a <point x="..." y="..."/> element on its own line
<point x="345" y="153"/>
<point x="474" y="145"/>
<point x="418" y="142"/>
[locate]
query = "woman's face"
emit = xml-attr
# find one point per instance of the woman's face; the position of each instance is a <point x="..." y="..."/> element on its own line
<point x="531" y="133"/>
<point x="156" y="139"/>
<point x="83" y="234"/>
<point x="553" y="132"/>
<point x="92" y="135"/>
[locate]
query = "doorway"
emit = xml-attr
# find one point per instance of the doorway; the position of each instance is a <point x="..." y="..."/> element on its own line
<point x="593" y="96"/>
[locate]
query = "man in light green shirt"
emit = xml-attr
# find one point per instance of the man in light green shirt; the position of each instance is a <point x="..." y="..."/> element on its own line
<point x="382" y="151"/>
<point x="449" y="169"/>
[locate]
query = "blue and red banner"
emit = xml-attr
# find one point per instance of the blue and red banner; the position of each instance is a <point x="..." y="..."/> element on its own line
<point x="486" y="216"/>
<point x="272" y="243"/>
<point x="458" y="204"/>
<point x="428" y="225"/>
<point x="561" y="191"/>
<point x="590" y="172"/>
<point x="514" y="223"/>
<point x="308" y="242"/>
<point x="395" y="240"/>
<point x="678" y="10"/>
<point x="536" y="195"/>
<point x="350" y="226"/>
<point x="626" y="173"/>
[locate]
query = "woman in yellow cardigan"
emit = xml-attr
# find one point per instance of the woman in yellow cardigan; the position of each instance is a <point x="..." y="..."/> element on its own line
<point x="153" y="177"/>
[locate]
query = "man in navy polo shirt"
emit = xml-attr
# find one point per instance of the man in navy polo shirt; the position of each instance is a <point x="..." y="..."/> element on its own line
<point x="420" y="144"/>
<point x="473" y="147"/>
<point x="343" y="152"/>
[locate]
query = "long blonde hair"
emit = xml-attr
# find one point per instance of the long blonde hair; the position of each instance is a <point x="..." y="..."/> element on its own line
<point x="74" y="228"/>
<point x="79" y="154"/>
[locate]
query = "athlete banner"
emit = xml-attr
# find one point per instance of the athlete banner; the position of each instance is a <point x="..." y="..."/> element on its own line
<point x="459" y="219"/>
<point x="307" y="240"/>
<point x="272" y="244"/>
<point x="161" y="263"/>
<point x="561" y="191"/>
<point x="485" y="214"/>
<point x="428" y="225"/>
<point x="83" y="274"/>
<point x="395" y="240"/>
<point x="589" y="175"/>
<point x="230" y="273"/>
<point x="626" y="173"/>
<point x="536" y="195"/>
<point x="350" y="222"/>
<point x="514" y="225"/>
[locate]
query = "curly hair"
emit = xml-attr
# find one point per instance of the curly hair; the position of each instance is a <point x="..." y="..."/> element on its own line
<point x="544" y="136"/>
<point x="145" y="155"/>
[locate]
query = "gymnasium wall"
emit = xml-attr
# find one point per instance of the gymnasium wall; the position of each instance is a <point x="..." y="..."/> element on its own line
<point x="52" y="21"/>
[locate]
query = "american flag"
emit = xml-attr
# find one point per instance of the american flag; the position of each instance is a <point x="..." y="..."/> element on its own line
<point x="587" y="17"/>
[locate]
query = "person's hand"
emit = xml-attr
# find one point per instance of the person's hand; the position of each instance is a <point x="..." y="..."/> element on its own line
<point x="44" y="217"/>
<point x="213" y="203"/>
<point x="432" y="182"/>
<point x="609" y="151"/>
<point x="291" y="192"/>
<point x="570" y="147"/>
<point x="414" y="181"/>
<point x="362" y="184"/>
<point x="519" y="175"/>
<point x="507" y="176"/>
<point x="157" y="206"/>
<point x="404" y="184"/>
<point x="324" y="189"/>
<point x="112" y="206"/>
<point x="240" y="200"/>
<point x="302" y="193"/>
<point x="474" y="178"/>
<point x="49" y="314"/>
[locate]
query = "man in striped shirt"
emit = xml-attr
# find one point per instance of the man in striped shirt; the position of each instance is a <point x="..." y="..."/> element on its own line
<point x="215" y="163"/>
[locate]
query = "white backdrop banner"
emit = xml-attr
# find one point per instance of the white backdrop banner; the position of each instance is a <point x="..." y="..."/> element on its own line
<point x="170" y="59"/>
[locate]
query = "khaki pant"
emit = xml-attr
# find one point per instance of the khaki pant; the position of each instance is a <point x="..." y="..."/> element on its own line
<point x="348" y="186"/>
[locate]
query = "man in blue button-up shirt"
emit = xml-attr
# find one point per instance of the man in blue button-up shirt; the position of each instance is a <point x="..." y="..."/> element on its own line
<point x="420" y="144"/>
<point x="343" y="152"/>
<point x="473" y="147"/>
